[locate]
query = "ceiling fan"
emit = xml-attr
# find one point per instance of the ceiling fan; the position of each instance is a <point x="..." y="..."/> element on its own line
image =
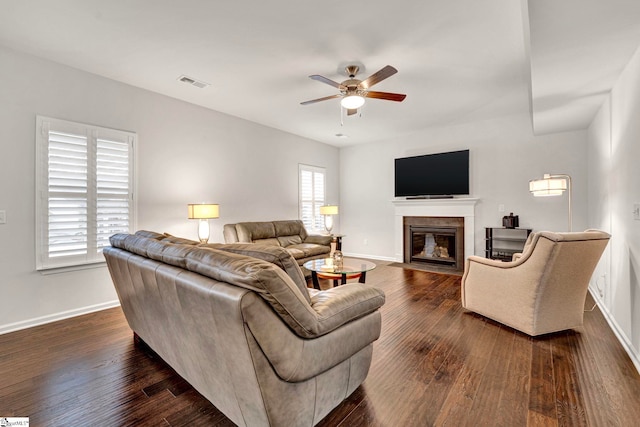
<point x="354" y="91"/>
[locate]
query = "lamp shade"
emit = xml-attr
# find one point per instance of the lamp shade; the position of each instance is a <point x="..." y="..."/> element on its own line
<point x="203" y="211"/>
<point x="552" y="185"/>
<point x="548" y="186"/>
<point x="329" y="210"/>
<point x="352" y="102"/>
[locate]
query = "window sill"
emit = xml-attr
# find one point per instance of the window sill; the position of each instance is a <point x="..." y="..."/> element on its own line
<point x="69" y="268"/>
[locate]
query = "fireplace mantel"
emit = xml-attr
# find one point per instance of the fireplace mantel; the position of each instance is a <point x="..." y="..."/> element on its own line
<point x="462" y="207"/>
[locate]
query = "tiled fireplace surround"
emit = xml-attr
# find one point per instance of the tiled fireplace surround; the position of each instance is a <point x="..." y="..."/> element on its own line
<point x="462" y="207"/>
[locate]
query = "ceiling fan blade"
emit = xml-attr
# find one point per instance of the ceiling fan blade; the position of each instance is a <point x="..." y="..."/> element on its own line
<point x="399" y="97"/>
<point x="327" y="81"/>
<point x="352" y="111"/>
<point x="377" y="77"/>
<point x="313" y="101"/>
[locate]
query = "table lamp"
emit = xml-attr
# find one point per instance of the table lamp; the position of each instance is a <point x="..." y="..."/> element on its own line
<point x="328" y="212"/>
<point x="204" y="212"/>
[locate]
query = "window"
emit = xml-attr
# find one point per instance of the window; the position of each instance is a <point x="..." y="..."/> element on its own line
<point x="84" y="191"/>
<point x="312" y="196"/>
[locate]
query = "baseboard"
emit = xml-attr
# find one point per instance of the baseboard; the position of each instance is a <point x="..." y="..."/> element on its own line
<point x="380" y="258"/>
<point x="30" y="323"/>
<point x="626" y="343"/>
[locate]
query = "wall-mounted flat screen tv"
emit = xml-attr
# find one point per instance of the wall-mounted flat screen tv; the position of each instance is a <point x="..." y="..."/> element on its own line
<point x="442" y="174"/>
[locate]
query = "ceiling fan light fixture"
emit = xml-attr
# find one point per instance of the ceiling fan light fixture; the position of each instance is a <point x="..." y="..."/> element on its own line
<point x="352" y="102"/>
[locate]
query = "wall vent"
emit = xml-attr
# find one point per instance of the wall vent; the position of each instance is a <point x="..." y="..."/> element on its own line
<point x="193" y="82"/>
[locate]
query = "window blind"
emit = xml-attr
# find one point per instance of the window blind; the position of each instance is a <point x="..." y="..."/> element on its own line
<point x="85" y="191"/>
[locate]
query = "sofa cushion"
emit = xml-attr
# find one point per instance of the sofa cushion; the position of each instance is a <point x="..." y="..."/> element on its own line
<point x="289" y="240"/>
<point x="295" y="253"/>
<point x="178" y="240"/>
<point x="150" y="234"/>
<point x="249" y="232"/>
<point x="267" y="242"/>
<point x="290" y="228"/>
<point x="305" y="250"/>
<point x="275" y="255"/>
<point x="166" y="237"/>
<point x="152" y="248"/>
<point x="319" y="239"/>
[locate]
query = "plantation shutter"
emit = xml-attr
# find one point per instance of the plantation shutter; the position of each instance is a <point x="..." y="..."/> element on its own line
<point x="312" y="196"/>
<point x="113" y="190"/>
<point x="85" y="192"/>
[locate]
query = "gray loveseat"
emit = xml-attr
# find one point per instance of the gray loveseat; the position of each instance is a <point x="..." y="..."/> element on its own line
<point x="240" y="325"/>
<point x="288" y="234"/>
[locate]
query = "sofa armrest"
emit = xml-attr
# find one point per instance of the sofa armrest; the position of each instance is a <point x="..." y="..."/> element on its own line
<point x="230" y="233"/>
<point x="340" y="305"/>
<point x="319" y="239"/>
<point x="295" y="358"/>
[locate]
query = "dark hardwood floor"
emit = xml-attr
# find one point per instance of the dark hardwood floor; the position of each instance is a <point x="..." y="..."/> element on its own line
<point x="434" y="364"/>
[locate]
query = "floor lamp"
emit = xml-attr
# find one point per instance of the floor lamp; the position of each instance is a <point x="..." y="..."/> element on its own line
<point x="552" y="185"/>
<point x="203" y="212"/>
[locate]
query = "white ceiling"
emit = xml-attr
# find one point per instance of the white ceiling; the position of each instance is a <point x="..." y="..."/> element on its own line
<point x="457" y="60"/>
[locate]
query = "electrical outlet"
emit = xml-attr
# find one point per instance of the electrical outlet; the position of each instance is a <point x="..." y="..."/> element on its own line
<point x="365" y="242"/>
<point x="3" y="217"/>
<point x="500" y="208"/>
<point x="636" y="211"/>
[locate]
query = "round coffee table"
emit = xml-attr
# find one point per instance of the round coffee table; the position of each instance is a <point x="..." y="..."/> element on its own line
<point x="351" y="268"/>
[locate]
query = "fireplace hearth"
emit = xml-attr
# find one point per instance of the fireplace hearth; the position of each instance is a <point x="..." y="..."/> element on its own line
<point x="435" y="241"/>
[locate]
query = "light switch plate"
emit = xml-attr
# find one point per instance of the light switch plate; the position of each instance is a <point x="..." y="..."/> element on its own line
<point x="636" y="211"/>
<point x="3" y="217"/>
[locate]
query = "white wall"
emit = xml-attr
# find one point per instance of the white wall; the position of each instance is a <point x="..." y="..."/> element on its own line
<point x="186" y="154"/>
<point x="614" y="186"/>
<point x="504" y="156"/>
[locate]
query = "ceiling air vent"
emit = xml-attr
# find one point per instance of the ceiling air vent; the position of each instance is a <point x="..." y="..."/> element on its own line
<point x="193" y="82"/>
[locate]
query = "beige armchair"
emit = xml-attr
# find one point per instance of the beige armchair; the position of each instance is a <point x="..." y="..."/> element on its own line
<point x="541" y="291"/>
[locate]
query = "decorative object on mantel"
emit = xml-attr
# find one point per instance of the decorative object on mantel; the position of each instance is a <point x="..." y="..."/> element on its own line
<point x="510" y="221"/>
<point x="204" y="212"/>
<point x="552" y="185"/>
<point x="328" y="212"/>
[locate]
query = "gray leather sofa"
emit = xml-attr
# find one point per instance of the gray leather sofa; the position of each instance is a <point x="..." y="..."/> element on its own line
<point x="288" y="234"/>
<point x="240" y="325"/>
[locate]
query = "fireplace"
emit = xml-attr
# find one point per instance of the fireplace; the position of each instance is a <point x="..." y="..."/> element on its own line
<point x="461" y="208"/>
<point x="434" y="241"/>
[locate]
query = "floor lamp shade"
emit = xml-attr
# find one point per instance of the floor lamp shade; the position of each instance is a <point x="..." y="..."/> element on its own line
<point x="552" y="185"/>
<point x="203" y="212"/>
<point x="548" y="187"/>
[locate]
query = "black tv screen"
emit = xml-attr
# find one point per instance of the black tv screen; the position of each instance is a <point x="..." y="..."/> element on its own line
<point x="442" y="174"/>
